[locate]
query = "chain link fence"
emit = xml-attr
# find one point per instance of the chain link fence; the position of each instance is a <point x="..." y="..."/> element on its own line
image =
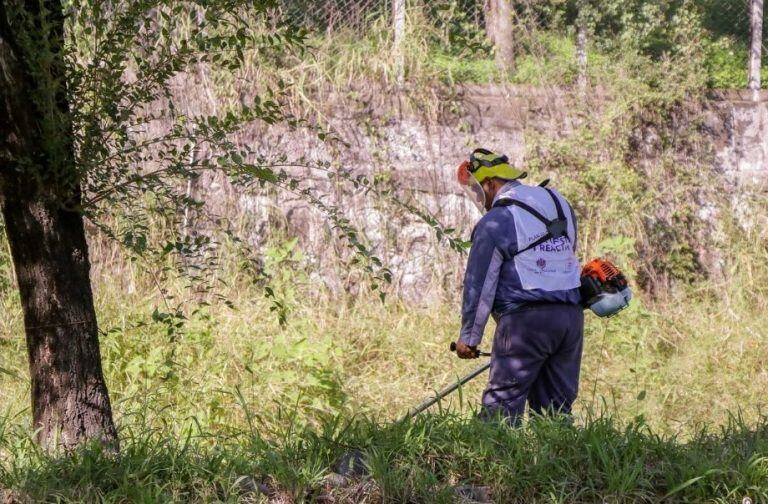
<point x="356" y="15"/>
<point x="723" y="20"/>
<point x="335" y="15"/>
<point x="731" y="18"/>
<point x="731" y="23"/>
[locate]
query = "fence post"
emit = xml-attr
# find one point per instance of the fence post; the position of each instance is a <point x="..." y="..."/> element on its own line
<point x="756" y="46"/>
<point x="498" y="22"/>
<point x="398" y="21"/>
<point x="581" y="51"/>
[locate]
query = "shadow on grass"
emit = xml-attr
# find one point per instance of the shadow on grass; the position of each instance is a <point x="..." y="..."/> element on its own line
<point x="414" y="461"/>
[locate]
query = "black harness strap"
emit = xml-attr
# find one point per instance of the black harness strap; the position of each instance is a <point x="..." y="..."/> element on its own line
<point x="558" y="206"/>
<point x="555" y="227"/>
<point x="524" y="206"/>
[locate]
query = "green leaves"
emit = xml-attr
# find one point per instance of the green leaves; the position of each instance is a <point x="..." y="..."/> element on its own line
<point x="262" y="173"/>
<point x="121" y="74"/>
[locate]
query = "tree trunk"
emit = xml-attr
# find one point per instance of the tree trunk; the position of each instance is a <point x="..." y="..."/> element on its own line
<point x="70" y="403"/>
<point x="498" y="26"/>
<point x="39" y="192"/>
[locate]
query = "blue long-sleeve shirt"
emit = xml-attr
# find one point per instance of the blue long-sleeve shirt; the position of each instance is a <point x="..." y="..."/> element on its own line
<point x="498" y="281"/>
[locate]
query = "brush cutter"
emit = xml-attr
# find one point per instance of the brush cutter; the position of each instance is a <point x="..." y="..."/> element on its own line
<point x="450" y="388"/>
<point x="353" y="463"/>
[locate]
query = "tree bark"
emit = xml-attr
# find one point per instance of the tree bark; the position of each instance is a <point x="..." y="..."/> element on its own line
<point x="498" y="26"/>
<point x="39" y="195"/>
<point x="70" y="403"/>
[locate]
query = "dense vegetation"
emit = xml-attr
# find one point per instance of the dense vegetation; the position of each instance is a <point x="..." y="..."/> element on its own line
<point x="209" y="411"/>
<point x="235" y="376"/>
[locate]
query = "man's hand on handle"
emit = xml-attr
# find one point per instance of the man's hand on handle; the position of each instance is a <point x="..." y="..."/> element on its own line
<point x="465" y="351"/>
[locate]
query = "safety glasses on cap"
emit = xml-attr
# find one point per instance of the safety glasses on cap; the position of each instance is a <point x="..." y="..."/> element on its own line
<point x="485" y="164"/>
<point x="470" y="185"/>
<point x="476" y="162"/>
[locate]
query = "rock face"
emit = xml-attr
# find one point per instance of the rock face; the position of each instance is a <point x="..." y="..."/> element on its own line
<point x="418" y="148"/>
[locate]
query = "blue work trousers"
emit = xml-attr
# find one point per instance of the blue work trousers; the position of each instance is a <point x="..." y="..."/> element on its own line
<point x="536" y="358"/>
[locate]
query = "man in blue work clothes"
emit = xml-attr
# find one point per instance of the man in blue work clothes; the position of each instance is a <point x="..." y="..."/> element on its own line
<point x="522" y="269"/>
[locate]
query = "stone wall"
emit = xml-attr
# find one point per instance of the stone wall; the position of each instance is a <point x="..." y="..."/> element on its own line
<point x="421" y="148"/>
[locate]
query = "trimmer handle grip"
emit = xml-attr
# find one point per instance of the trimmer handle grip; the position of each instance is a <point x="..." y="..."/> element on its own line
<point x="480" y="353"/>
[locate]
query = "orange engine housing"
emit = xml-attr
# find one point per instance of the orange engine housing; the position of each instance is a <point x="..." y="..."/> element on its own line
<point x="604" y="271"/>
<point x="600" y="276"/>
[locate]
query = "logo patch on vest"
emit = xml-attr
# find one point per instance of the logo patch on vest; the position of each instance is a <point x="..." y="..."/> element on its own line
<point x="541" y="263"/>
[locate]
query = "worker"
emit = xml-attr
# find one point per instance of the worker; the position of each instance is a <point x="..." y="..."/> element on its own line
<point x="522" y="270"/>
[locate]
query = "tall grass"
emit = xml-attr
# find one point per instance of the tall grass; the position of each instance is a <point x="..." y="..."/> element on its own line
<point x="418" y="461"/>
<point x="692" y="357"/>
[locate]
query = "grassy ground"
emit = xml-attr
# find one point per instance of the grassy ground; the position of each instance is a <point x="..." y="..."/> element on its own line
<point x="232" y="393"/>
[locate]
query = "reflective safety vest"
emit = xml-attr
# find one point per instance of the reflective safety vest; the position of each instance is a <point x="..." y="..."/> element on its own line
<point x="548" y="261"/>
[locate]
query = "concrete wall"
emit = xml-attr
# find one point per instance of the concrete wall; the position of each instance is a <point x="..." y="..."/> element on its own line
<point x="738" y="127"/>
